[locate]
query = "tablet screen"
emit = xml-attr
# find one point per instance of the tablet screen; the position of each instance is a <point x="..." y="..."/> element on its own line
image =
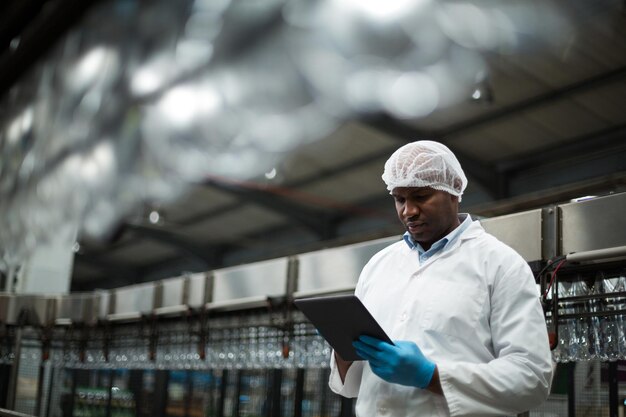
<point x="341" y="319"/>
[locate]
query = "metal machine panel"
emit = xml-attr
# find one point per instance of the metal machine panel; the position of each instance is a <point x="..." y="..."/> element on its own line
<point x="26" y="309"/>
<point x="593" y="224"/>
<point x="336" y="269"/>
<point x="197" y="282"/>
<point x="5" y="307"/>
<point x="43" y="309"/>
<point x="104" y="298"/>
<point x="17" y="305"/>
<point x="134" y="299"/>
<point x="78" y="307"/>
<point x="521" y="231"/>
<point x="173" y="291"/>
<point x="267" y="278"/>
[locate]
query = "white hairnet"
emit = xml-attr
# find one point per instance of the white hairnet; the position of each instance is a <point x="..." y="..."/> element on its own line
<point x="425" y="164"/>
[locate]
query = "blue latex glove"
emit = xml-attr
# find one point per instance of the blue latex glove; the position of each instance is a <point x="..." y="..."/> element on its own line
<point x="401" y="363"/>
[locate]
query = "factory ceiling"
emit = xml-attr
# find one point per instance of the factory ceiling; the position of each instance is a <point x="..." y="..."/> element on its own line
<point x="546" y="125"/>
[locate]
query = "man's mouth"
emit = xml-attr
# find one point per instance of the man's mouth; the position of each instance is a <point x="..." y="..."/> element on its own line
<point x="415" y="226"/>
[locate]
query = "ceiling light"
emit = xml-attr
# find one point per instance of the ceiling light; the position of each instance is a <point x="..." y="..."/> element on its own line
<point x="154" y="217"/>
<point x="271" y="174"/>
<point x="483" y="92"/>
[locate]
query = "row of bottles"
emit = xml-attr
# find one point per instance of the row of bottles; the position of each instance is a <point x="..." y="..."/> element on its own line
<point x="218" y="393"/>
<point x="592" y="317"/>
<point x="94" y="402"/>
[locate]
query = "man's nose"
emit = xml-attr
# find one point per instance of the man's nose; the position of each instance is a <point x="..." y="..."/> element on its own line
<point x="411" y="209"/>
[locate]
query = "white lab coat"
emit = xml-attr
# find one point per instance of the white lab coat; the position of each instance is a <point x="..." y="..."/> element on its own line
<point x="473" y="309"/>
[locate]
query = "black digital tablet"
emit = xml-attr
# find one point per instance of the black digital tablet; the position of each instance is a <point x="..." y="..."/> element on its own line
<point x="341" y="319"/>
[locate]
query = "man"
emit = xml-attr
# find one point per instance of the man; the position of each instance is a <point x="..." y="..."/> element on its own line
<point x="461" y="306"/>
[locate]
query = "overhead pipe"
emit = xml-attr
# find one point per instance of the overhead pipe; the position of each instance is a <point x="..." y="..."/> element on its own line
<point x="593" y="255"/>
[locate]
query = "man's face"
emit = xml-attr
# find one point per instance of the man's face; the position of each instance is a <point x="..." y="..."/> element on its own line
<point x="427" y="214"/>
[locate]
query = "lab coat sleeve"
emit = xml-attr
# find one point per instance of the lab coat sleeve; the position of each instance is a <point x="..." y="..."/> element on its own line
<point x="350" y="387"/>
<point x="519" y="377"/>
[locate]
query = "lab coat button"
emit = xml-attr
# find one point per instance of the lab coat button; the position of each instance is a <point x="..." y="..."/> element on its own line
<point x="382" y="410"/>
<point x="404" y="316"/>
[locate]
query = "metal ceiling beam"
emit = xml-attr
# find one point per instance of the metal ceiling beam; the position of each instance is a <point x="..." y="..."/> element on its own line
<point x="606" y="140"/>
<point x="318" y="222"/>
<point x="325" y="174"/>
<point x="203" y="254"/>
<point x="103" y="283"/>
<point x="333" y="172"/>
<point x="541" y="99"/>
<point x="107" y="267"/>
<point x="164" y="268"/>
<point x="490" y="179"/>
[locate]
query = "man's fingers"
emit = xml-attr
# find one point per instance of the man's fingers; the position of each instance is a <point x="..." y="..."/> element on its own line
<point x="367" y="350"/>
<point x="377" y="344"/>
<point x="381" y="371"/>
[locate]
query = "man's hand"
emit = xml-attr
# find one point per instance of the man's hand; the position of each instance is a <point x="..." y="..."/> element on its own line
<point x="401" y="363"/>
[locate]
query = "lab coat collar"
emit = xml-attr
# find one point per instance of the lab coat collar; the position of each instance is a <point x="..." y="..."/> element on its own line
<point x="473" y="231"/>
